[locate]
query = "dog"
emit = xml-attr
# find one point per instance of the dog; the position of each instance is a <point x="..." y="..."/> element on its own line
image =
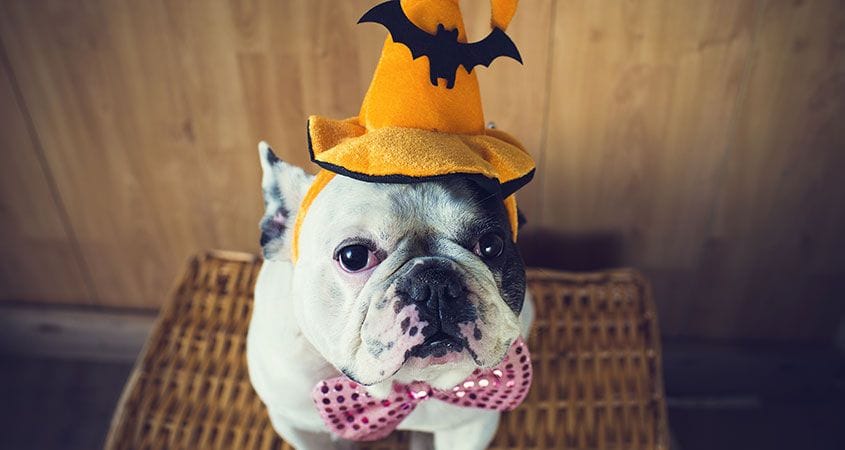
<point x="393" y="283"/>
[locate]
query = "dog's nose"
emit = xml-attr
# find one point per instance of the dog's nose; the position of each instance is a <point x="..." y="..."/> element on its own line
<point x="435" y="287"/>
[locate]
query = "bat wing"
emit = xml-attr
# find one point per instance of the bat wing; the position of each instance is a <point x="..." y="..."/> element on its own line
<point x="402" y="30"/>
<point x="483" y="52"/>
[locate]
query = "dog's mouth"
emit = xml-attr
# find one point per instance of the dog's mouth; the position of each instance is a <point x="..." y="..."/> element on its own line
<point x="439" y="344"/>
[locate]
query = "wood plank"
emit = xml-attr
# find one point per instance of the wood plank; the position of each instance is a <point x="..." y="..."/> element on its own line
<point x="777" y="229"/>
<point x="119" y="149"/>
<point x="643" y="99"/>
<point x="81" y="334"/>
<point x="150" y="113"/>
<point x="39" y="259"/>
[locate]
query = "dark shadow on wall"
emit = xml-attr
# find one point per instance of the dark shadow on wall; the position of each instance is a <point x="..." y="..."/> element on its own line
<point x="574" y="252"/>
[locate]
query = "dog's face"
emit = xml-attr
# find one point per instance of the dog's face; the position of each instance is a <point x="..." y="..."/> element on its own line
<point x="398" y="281"/>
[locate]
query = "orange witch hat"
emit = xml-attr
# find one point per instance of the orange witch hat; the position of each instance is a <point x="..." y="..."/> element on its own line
<point x="421" y="118"/>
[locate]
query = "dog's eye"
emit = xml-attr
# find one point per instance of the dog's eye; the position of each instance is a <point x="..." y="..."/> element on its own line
<point x="490" y="245"/>
<point x="356" y="257"/>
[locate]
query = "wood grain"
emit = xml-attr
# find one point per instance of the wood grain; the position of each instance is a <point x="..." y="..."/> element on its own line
<point x="697" y="141"/>
<point x="776" y="253"/>
<point x="106" y="120"/>
<point x="150" y="119"/>
<point x="38" y="259"/>
<point x="644" y="95"/>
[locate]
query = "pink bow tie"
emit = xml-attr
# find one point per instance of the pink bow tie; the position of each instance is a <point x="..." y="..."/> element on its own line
<point x="350" y="412"/>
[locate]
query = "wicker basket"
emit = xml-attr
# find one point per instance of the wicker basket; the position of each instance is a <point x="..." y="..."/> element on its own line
<point x="594" y="344"/>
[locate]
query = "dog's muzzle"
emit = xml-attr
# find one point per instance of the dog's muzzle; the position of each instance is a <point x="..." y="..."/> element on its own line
<point x="438" y="291"/>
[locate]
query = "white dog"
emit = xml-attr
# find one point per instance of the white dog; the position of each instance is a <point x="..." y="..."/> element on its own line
<point x="393" y="282"/>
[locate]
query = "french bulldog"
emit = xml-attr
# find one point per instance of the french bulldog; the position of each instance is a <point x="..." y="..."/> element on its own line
<point x="393" y="282"/>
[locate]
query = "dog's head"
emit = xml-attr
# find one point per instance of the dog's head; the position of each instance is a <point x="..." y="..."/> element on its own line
<point x="397" y="281"/>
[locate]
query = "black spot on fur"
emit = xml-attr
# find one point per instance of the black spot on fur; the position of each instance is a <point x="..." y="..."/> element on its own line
<point x="405" y="324"/>
<point x="521" y="220"/>
<point x="413" y="331"/>
<point x="376" y="347"/>
<point x="476" y="334"/>
<point x="349" y="374"/>
<point x="429" y="330"/>
<point x="439" y="351"/>
<point x="271" y="157"/>
<point x="265" y="238"/>
<point x="274" y="193"/>
<point x="508" y="268"/>
<point x="270" y="228"/>
<point x="382" y="302"/>
<point x="274" y="207"/>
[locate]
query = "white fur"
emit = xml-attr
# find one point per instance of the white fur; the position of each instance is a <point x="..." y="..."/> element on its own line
<point x="310" y="319"/>
<point x="284" y="368"/>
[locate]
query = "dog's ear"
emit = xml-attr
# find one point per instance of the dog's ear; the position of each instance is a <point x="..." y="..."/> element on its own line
<point x="284" y="186"/>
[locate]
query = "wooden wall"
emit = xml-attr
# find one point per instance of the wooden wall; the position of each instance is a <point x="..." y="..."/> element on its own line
<point x="700" y="141"/>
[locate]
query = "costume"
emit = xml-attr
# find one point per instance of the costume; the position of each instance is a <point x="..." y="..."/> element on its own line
<point x="419" y="124"/>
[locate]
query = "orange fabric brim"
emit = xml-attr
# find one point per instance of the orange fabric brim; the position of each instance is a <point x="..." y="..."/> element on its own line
<point x="382" y="155"/>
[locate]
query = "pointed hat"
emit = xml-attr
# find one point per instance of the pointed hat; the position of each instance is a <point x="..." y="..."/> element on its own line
<point x="421" y="118"/>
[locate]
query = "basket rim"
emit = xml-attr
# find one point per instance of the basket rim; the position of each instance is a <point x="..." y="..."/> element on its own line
<point x="119" y="417"/>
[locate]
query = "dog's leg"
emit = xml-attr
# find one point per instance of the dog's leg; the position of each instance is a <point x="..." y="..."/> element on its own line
<point x="421" y="440"/>
<point x="307" y="440"/>
<point x="474" y="435"/>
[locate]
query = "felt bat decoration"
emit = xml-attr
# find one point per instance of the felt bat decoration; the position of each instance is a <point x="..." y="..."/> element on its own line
<point x="445" y="54"/>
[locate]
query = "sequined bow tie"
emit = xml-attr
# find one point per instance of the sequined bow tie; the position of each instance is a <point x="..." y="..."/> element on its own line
<point x="351" y="413"/>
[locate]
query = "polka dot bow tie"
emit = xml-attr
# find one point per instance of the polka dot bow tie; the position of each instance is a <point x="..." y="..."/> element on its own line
<point x="351" y="413"/>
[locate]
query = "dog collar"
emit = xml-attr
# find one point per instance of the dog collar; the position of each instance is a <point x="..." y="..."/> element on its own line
<point x="351" y="413"/>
